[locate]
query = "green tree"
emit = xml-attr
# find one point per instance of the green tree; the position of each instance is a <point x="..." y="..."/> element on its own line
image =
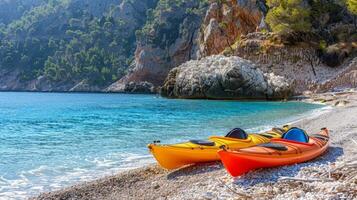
<point x="352" y="6"/>
<point x="288" y="16"/>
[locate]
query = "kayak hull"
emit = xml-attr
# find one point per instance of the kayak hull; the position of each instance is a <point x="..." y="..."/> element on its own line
<point x="181" y="154"/>
<point x="172" y="158"/>
<point x="247" y="159"/>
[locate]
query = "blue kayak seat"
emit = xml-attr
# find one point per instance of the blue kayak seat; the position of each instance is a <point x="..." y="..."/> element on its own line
<point x="296" y="134"/>
<point x="237" y="133"/>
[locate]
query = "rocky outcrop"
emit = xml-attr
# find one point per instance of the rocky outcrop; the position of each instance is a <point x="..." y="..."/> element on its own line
<point x="165" y="42"/>
<point x="226" y="21"/>
<point x="143" y="87"/>
<point x="220" y="77"/>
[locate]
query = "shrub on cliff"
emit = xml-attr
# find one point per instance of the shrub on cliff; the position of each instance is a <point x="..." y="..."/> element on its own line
<point x="352" y="6"/>
<point x="288" y="15"/>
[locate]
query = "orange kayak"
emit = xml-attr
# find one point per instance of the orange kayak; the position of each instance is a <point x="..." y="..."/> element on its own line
<point x="172" y="156"/>
<point x="295" y="146"/>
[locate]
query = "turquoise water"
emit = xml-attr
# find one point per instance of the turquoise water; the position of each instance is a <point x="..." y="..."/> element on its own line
<point x="51" y="140"/>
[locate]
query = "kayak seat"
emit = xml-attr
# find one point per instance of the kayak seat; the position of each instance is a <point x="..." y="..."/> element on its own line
<point x="296" y="134"/>
<point x="266" y="135"/>
<point x="237" y="133"/>
<point x="278" y="130"/>
<point x="202" y="142"/>
<point x="275" y="146"/>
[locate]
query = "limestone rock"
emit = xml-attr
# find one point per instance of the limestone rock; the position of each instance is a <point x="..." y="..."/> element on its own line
<point x="140" y="87"/>
<point x="171" y="41"/>
<point x="143" y="87"/>
<point x="220" y="77"/>
<point x="225" y="22"/>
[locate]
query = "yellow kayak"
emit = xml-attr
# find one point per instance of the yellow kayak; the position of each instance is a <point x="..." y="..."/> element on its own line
<point x="172" y="156"/>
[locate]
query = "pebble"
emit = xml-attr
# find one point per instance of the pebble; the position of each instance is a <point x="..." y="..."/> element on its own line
<point x="208" y="195"/>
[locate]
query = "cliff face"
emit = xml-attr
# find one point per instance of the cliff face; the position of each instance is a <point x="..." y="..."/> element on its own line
<point x="168" y="39"/>
<point x="225" y="22"/>
<point x="189" y="35"/>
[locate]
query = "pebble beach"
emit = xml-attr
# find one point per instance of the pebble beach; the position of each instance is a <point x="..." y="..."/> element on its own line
<point x="330" y="176"/>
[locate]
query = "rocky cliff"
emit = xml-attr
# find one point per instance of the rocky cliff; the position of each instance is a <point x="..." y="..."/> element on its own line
<point x="168" y="39"/>
<point x="192" y="30"/>
<point x="138" y="46"/>
<point x="225" y="22"/>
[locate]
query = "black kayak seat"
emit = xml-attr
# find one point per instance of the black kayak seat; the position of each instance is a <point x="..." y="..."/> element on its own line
<point x="296" y="134"/>
<point x="237" y="133"/>
<point x="278" y="130"/>
<point x="275" y="146"/>
<point x="202" y="142"/>
<point x="266" y="135"/>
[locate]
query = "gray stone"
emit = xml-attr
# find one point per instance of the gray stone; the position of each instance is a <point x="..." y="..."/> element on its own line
<point x="220" y="77"/>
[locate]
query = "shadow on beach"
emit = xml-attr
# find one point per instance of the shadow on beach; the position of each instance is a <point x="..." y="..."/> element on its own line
<point x="195" y="169"/>
<point x="272" y="175"/>
<point x="260" y="175"/>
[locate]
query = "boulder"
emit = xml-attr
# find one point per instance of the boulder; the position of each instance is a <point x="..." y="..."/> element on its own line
<point x="142" y="87"/>
<point x="139" y="87"/>
<point x="220" y="77"/>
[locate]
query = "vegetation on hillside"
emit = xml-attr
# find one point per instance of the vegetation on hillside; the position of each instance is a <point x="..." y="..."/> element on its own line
<point x="11" y="10"/>
<point x="66" y="40"/>
<point x="164" y="23"/>
<point x="352" y="6"/>
<point x="288" y="15"/>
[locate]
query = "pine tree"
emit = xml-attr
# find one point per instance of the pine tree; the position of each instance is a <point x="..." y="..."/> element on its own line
<point x="352" y="6"/>
<point x="288" y="16"/>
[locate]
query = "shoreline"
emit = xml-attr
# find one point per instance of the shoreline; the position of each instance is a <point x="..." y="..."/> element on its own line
<point x="210" y="181"/>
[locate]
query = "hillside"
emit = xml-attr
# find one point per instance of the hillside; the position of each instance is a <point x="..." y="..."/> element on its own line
<point x="13" y="9"/>
<point x="131" y="45"/>
<point x="56" y="45"/>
